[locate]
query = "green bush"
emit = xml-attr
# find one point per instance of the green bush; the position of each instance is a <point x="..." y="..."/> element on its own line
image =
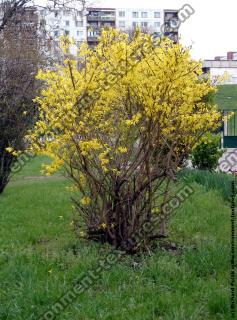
<point x="207" y="152"/>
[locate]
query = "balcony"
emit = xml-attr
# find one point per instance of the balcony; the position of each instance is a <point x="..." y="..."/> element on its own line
<point x="171" y="16"/>
<point x="173" y="36"/>
<point x="172" y="25"/>
<point x="100" y="26"/>
<point x="93" y="28"/>
<point x="171" y="29"/>
<point x="100" y="18"/>
<point x="93" y="38"/>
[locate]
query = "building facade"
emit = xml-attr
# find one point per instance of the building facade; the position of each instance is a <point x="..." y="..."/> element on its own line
<point x="145" y="19"/>
<point x="98" y="19"/>
<point x="171" y="25"/>
<point x="87" y="26"/>
<point x="154" y="21"/>
<point x="219" y="68"/>
<point x="63" y="22"/>
<point x="223" y="65"/>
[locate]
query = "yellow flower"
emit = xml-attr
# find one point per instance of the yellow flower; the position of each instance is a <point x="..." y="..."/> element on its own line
<point x="85" y="201"/>
<point x="103" y="226"/>
<point x="10" y="150"/>
<point x="50" y="271"/>
<point x="72" y="188"/>
<point x="88" y="146"/>
<point x="155" y="210"/>
<point x="135" y="119"/>
<point x="122" y="149"/>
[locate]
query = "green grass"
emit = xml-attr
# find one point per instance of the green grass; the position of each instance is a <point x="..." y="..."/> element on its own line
<point x="31" y="168"/>
<point x="40" y="259"/>
<point x="226" y="97"/>
<point x="211" y="181"/>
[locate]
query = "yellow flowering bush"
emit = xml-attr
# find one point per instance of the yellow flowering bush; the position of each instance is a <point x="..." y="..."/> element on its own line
<point x="122" y="122"/>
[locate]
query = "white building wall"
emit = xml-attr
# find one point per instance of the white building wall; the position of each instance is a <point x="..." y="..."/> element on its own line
<point x="221" y="67"/>
<point x="65" y="22"/>
<point x="232" y="74"/>
<point x="153" y="18"/>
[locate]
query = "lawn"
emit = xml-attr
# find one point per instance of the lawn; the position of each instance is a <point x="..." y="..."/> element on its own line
<point x="226" y="97"/>
<point x="41" y="258"/>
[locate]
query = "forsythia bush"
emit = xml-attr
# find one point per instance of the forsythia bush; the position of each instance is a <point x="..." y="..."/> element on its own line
<point x="120" y="124"/>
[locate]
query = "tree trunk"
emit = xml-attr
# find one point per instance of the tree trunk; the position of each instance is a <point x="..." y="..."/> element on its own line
<point x="3" y="183"/>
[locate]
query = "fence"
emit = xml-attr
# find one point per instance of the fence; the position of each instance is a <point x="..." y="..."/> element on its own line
<point x="230" y="129"/>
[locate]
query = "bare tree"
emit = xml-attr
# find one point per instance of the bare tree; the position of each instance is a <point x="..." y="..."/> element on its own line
<point x="21" y="55"/>
<point x="8" y="9"/>
<point x="20" y="58"/>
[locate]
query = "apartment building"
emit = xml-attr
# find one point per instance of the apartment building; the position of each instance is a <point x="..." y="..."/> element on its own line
<point x="221" y="66"/>
<point x="87" y="26"/>
<point x="171" y="25"/>
<point x="155" y="21"/>
<point x="147" y="19"/>
<point x="63" y="22"/>
<point x="98" y="19"/>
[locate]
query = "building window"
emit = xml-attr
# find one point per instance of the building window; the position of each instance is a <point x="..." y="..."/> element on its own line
<point x="157" y="25"/>
<point x="67" y="23"/>
<point x="135" y="24"/>
<point x="144" y="15"/>
<point x="135" y="14"/>
<point x="144" y="24"/>
<point x="66" y="32"/>
<point x="56" y="33"/>
<point x="80" y="34"/>
<point x="157" y="14"/>
<point x="92" y="33"/>
<point x="122" y="14"/>
<point x="79" y="43"/>
<point x="79" y="24"/>
<point x="121" y="24"/>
